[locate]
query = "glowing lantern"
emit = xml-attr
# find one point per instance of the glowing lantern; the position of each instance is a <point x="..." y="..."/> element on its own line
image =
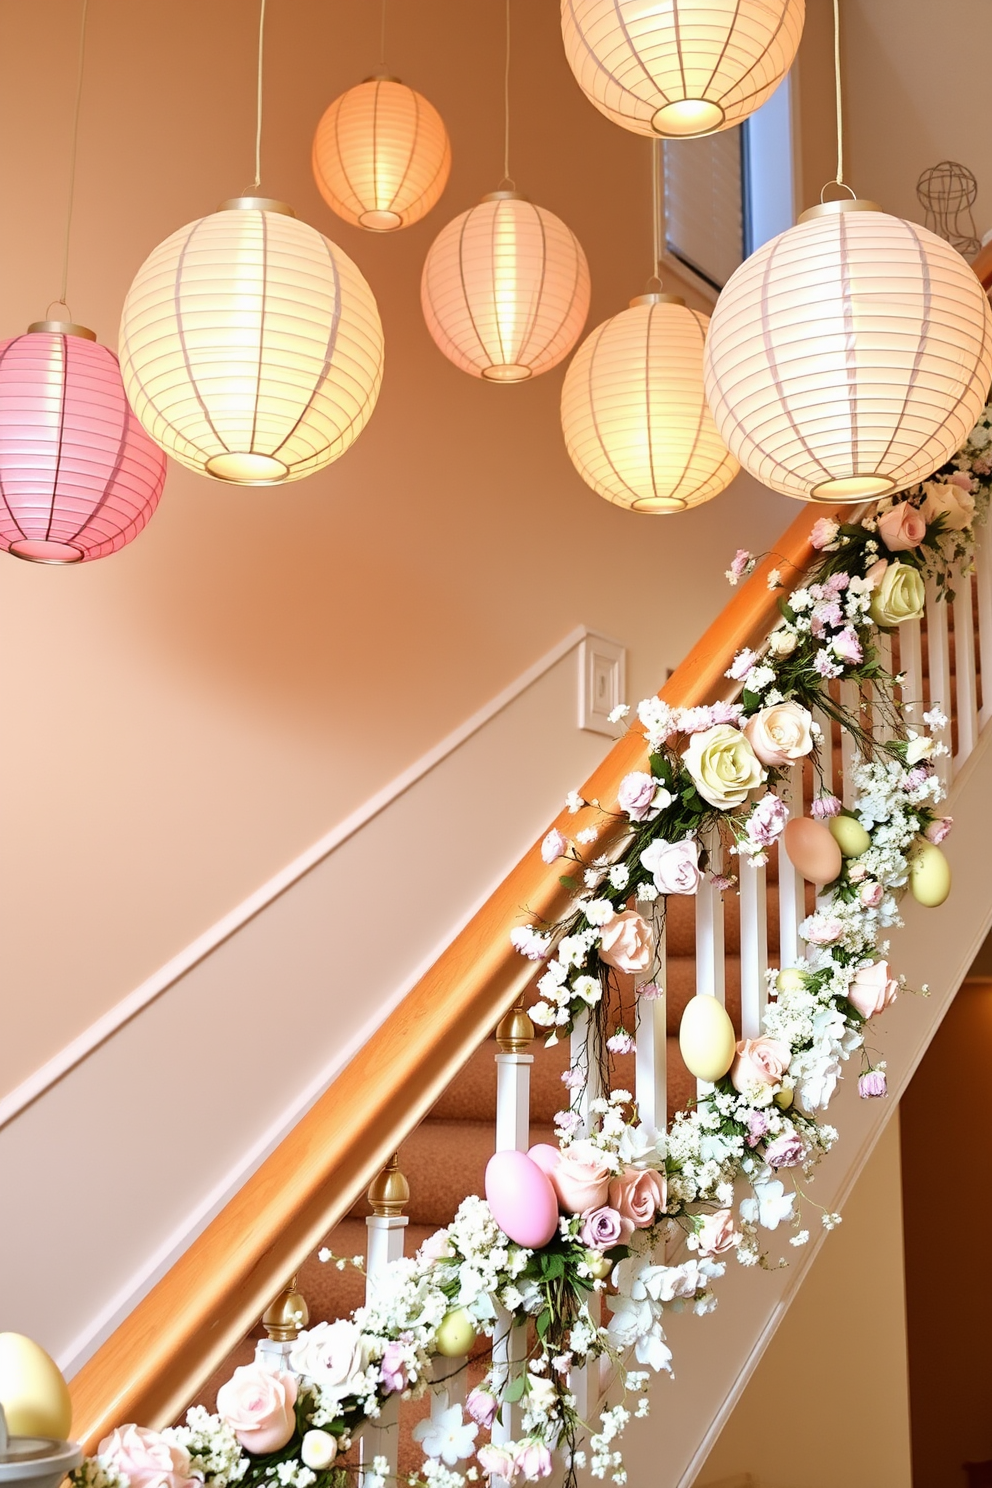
<point x="505" y="289"/>
<point x="850" y="356"/>
<point x="251" y="346"/>
<point x="79" y="477"/>
<point x="679" y="68"/>
<point x="381" y="155"/>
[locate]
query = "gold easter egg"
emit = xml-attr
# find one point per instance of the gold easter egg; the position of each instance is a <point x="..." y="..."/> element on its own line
<point x="929" y="874"/>
<point x="849" y="835"/>
<point x="34" y="1396"/>
<point x="812" y="850"/>
<point x="455" y="1334"/>
<point x="707" y="1038"/>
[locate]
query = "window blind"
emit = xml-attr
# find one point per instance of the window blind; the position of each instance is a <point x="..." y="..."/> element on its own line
<point x="704" y="206"/>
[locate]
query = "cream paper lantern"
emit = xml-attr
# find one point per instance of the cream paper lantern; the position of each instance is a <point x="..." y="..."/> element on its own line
<point x="680" y="68"/>
<point x="850" y="356"/>
<point x="251" y="347"/>
<point x="634" y="414"/>
<point x="505" y="289"/>
<point x="381" y="155"/>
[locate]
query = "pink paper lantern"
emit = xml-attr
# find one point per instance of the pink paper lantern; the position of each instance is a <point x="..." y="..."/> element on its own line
<point x="79" y="477"/>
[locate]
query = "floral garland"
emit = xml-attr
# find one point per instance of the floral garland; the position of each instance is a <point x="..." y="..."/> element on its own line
<point x="620" y="1189"/>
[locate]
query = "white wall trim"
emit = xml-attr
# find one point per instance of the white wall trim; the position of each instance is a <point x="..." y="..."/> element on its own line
<point x="104" y="1027"/>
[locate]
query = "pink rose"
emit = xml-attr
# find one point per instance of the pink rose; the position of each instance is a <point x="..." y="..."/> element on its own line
<point x="847" y="647"/>
<point x="717" y="1235"/>
<point x="554" y="846"/>
<point x="873" y="1084"/>
<point x="902" y="527"/>
<point x="638" y="1195"/>
<point x="258" y="1406"/>
<point x="393" y="1367"/>
<point x="145" y="1458"/>
<point x="938" y="829"/>
<point x="532" y="1460"/>
<point x="673" y="865"/>
<point x="767" y="821"/>
<point x="497" y="1462"/>
<point x="757" y="1127"/>
<point x="582" y="1178"/>
<point x="642" y="797"/>
<point x="760" y="1061"/>
<point x="873" y="989"/>
<point x="785" y="1152"/>
<point x="876" y="573"/>
<point x="825" y="806"/>
<point x="437" y="1247"/>
<point x="604" y="1227"/>
<point x="824" y="532"/>
<point x="821" y="929"/>
<point x="627" y="942"/>
<point x="871" y="895"/>
<point x="780" y="735"/>
<point x="482" y="1407"/>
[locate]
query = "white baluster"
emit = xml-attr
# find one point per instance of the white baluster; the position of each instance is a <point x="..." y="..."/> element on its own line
<point x="710" y="956"/>
<point x="938" y="657"/>
<point x="911" y="666"/>
<point x="581" y="1055"/>
<point x="791" y="892"/>
<point x="965" y="681"/>
<point x="983" y="582"/>
<point x="388" y="1195"/>
<point x="754" y="948"/>
<point x="850" y="698"/>
<point x="651" y="1056"/>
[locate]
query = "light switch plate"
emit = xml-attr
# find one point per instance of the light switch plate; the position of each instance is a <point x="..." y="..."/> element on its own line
<point x="602" y="683"/>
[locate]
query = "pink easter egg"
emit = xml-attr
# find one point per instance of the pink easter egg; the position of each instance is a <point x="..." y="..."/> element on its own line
<point x="546" y="1156"/>
<point x="812" y="850"/>
<point x="522" y="1200"/>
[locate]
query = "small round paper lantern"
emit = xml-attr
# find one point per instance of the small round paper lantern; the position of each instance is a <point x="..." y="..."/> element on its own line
<point x="636" y="423"/>
<point x="79" y="477"/>
<point x="505" y="289"/>
<point x="850" y="356"/>
<point x="251" y="346"/>
<point x="679" y="68"/>
<point x="381" y="155"/>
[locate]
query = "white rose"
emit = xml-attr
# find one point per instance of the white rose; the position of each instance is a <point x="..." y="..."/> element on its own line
<point x="782" y="642"/>
<point x="673" y="865"/>
<point x="781" y="734"/>
<point x="723" y="766"/>
<point x="331" y="1355"/>
<point x="898" y="596"/>
<point x="952" y="502"/>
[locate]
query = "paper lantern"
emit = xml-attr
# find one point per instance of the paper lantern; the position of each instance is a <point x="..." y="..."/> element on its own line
<point x="679" y="68"/>
<point x="381" y="155"/>
<point x="634" y="414"/>
<point x="251" y="346"/>
<point x="79" y="477"/>
<point x="505" y="289"/>
<point x="850" y="356"/>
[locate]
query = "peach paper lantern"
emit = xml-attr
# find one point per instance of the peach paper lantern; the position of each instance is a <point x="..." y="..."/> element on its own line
<point x="381" y="155"/>
<point x="680" y="68"/>
<point x="850" y="356"/>
<point x="505" y="289"/>
<point x="634" y="414"/>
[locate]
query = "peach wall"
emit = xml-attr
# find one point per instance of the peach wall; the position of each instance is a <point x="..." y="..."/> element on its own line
<point x="182" y="719"/>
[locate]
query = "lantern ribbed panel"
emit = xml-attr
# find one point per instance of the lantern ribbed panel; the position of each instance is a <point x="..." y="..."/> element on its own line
<point x="855" y="347"/>
<point x="251" y="347"/>
<point x="79" y="477"/>
<point x="679" y="68"/>
<point x="505" y="290"/>
<point x="381" y="155"/>
<point x="634" y="414"/>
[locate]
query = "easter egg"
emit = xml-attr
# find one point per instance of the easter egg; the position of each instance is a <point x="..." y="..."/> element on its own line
<point x="812" y="850"/>
<point x="599" y="1266"/>
<point x="546" y="1156"/>
<point x="455" y="1333"/>
<point x="34" y="1396"/>
<point x="849" y="835"/>
<point x="707" y="1038"/>
<point x="784" y="1099"/>
<point x="790" y="979"/>
<point x="522" y="1200"/>
<point x="929" y="874"/>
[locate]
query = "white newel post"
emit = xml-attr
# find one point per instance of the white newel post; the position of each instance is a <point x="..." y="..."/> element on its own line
<point x="389" y="1195"/>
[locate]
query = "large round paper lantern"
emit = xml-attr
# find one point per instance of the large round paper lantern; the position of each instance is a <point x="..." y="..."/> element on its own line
<point x="634" y="413"/>
<point x="678" y="68"/>
<point x="850" y="356"/>
<point x="251" y="346"/>
<point x="381" y="155"/>
<point x="79" y="477"/>
<point x="505" y="289"/>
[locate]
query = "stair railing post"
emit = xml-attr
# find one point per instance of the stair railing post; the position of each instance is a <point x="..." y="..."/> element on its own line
<point x="389" y="1194"/>
<point x="651" y="1050"/>
<point x="938" y="672"/>
<point x="283" y="1321"/>
<point x="710" y="956"/>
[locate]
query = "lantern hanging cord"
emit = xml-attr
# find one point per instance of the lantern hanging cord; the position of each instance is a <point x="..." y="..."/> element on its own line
<point x="72" y="159"/>
<point x="507" y="178"/>
<point x="655" y="211"/>
<point x="258" y="99"/>
<point x="839" y="178"/>
<point x="382" y="38"/>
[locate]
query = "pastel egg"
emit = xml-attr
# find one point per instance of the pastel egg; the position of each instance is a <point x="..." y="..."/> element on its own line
<point x="455" y="1333"/>
<point x="812" y="850"/>
<point x="34" y="1396"/>
<point x="790" y="979"/>
<point x="929" y="874"/>
<point x="546" y="1156"/>
<point x="849" y="835"/>
<point x="522" y="1200"/>
<point x="707" y="1038"/>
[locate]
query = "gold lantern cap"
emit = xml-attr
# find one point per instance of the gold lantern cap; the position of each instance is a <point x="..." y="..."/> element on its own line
<point x="384" y="77"/>
<point x="62" y="328"/>
<point x="842" y="204"/>
<point x="256" y="204"/>
<point x="656" y="297"/>
<point x="502" y="195"/>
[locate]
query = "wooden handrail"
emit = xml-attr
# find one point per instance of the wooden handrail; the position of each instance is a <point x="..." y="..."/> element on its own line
<point x="159" y="1356"/>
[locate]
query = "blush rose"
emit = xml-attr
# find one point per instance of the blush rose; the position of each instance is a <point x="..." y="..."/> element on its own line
<point x="902" y="527"/>
<point x="872" y="989"/>
<point x="258" y="1406"/>
<point x="637" y="1195"/>
<point x="760" y="1061"/>
<point x="627" y="942"/>
<point x="582" y="1178"/>
<point x="146" y="1459"/>
<point x="781" y="734"/>
<point x="674" y="866"/>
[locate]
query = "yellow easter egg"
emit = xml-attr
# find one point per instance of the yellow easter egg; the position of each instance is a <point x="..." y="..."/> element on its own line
<point x="599" y="1266"/>
<point x="456" y="1334"/>
<point x="790" y="979"/>
<point x="812" y="850"/>
<point x="34" y="1396"/>
<point x="929" y="874"/>
<point x="849" y="835"/>
<point x="784" y="1099"/>
<point x="707" y="1038"/>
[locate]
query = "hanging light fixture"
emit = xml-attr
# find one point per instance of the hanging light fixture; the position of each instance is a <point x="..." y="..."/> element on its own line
<point x="633" y="411"/>
<point x="251" y="346"/>
<point x="680" y="68"/>
<point x="505" y="287"/>
<point x="851" y="355"/>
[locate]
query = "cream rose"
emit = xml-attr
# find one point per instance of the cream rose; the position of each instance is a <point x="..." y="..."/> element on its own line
<point x="760" y="1061"/>
<point x="717" y="1235"/>
<point x="723" y="766"/>
<point x="332" y="1355"/>
<point x="638" y="1194"/>
<point x="627" y="943"/>
<point x="951" y="501"/>
<point x="582" y="1178"/>
<point x="872" y="989"/>
<point x="781" y="734"/>
<point x="258" y="1406"/>
<point x="145" y="1458"/>
<point x="898" y="596"/>
<point x="902" y="527"/>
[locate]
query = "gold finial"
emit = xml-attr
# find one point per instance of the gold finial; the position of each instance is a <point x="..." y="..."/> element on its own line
<point x="515" y="1031"/>
<point x="284" y="1318"/>
<point x="389" y="1193"/>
